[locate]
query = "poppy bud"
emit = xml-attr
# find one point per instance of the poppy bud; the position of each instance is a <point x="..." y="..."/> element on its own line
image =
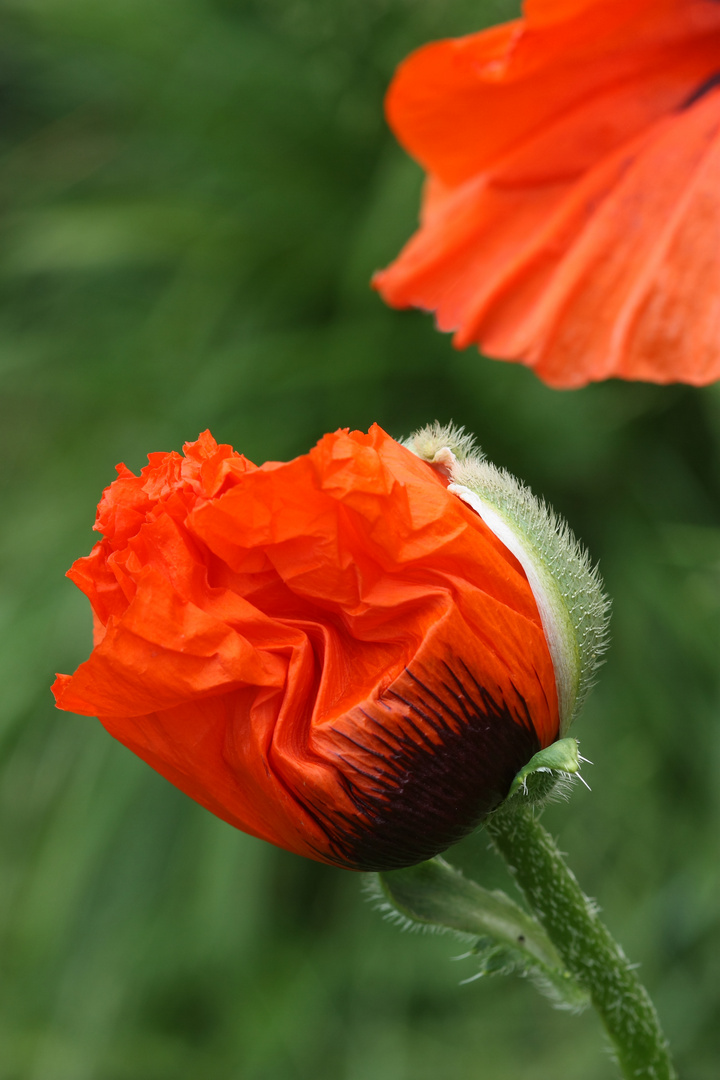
<point x="351" y="654"/>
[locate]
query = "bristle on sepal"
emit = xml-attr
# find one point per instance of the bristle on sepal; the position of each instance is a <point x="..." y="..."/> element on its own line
<point x="548" y="776"/>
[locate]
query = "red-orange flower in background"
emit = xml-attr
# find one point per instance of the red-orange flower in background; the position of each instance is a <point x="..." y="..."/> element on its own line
<point x="571" y="217"/>
<point x="335" y="654"/>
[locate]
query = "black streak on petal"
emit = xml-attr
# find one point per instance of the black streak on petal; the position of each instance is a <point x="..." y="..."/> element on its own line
<point x="700" y="91"/>
<point x="423" y="783"/>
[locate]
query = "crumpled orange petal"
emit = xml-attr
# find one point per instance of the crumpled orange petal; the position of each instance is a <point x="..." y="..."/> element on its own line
<point x="571" y="218"/>
<point x="334" y="654"/>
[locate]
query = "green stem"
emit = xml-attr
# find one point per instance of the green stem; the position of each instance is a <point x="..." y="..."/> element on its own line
<point x="586" y="946"/>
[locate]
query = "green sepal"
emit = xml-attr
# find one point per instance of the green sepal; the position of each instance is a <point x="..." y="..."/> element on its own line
<point x="568" y="590"/>
<point x="544" y="771"/>
<point x="435" y="895"/>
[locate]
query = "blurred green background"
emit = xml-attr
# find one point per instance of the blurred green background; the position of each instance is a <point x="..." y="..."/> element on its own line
<point x="193" y="195"/>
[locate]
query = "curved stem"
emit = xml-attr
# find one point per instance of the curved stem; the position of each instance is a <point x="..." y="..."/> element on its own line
<point x="587" y="948"/>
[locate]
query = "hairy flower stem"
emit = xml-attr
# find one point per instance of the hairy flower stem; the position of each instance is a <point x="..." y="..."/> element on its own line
<point x="586" y="946"/>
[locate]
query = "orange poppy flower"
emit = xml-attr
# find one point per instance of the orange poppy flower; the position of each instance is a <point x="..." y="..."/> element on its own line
<point x="571" y="217"/>
<point x="335" y="654"/>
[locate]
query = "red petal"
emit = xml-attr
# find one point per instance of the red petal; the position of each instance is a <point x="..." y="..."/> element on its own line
<point x="567" y="223"/>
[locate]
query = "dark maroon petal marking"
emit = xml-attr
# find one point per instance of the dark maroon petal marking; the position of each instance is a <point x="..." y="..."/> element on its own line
<point x="423" y="783"/>
<point x="703" y="89"/>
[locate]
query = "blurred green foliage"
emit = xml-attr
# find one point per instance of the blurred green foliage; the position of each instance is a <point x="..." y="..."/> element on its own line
<point x="193" y="196"/>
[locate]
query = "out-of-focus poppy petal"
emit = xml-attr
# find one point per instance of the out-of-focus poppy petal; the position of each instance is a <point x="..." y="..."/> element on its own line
<point x="334" y="654"/>
<point x="543" y="142"/>
<point x="643" y="279"/>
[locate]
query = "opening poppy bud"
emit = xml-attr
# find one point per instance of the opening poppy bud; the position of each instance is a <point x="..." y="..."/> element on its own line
<point x="342" y="654"/>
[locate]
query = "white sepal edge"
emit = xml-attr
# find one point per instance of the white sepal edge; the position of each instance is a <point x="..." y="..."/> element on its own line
<point x="568" y="589"/>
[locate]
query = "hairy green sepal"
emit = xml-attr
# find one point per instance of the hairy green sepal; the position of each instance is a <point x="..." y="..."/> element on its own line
<point x="568" y="590"/>
<point x="545" y="772"/>
<point x="506" y="939"/>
